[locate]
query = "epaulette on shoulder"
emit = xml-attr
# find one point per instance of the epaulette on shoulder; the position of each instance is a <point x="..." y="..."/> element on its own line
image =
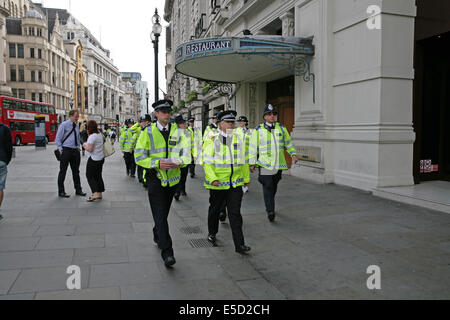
<point x="258" y="127"/>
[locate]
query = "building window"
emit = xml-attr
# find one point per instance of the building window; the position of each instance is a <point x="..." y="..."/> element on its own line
<point x="31" y="52"/>
<point x="14" y="92"/>
<point x="22" y="94"/>
<point x="39" y="53"/>
<point x="21" y="74"/>
<point x="53" y="78"/>
<point x="12" y="50"/>
<point x="13" y="72"/>
<point x="53" y="59"/>
<point x="41" y="97"/>
<point x="40" y="76"/>
<point x="33" y="76"/>
<point x="33" y="96"/>
<point x="20" y="51"/>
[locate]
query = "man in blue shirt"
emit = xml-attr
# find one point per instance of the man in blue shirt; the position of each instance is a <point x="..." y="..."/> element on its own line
<point x="68" y="142"/>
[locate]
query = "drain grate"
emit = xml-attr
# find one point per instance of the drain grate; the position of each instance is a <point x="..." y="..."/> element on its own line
<point x="191" y="230"/>
<point x="200" y="243"/>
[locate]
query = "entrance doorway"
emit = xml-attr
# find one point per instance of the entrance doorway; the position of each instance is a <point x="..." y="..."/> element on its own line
<point x="432" y="93"/>
<point x="280" y="94"/>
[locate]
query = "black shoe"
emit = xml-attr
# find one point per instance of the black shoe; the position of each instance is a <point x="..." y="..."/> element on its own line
<point x="177" y="197"/>
<point x="184" y="194"/>
<point x="243" y="249"/>
<point x="169" y="262"/>
<point x="271" y="216"/>
<point x="1" y="217"/>
<point x="223" y="216"/>
<point x="81" y="194"/>
<point x="212" y="239"/>
<point x="133" y="176"/>
<point x="192" y="176"/>
<point x="64" y="195"/>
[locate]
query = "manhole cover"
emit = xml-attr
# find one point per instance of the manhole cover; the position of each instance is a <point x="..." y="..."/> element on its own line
<point x="201" y="243"/>
<point x="191" y="230"/>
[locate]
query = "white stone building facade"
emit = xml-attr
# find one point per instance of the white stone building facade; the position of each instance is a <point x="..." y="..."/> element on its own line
<point x="363" y="125"/>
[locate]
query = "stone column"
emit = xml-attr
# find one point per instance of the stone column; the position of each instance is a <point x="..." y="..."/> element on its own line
<point x="4" y="89"/>
<point x="288" y="22"/>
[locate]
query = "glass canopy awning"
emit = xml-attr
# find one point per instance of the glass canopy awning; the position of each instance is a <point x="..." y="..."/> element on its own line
<point x="246" y="59"/>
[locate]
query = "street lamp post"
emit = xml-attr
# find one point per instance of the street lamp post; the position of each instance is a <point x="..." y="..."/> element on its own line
<point x="156" y="33"/>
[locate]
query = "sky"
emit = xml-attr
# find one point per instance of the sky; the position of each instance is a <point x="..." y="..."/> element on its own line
<point x="124" y="28"/>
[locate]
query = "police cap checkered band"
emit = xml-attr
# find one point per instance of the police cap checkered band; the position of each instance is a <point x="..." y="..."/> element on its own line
<point x="229" y="115"/>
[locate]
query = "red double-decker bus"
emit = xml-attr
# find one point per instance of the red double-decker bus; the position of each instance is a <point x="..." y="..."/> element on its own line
<point x="18" y="115"/>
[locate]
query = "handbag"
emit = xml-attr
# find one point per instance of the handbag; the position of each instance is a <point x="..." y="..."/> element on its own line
<point x="57" y="152"/>
<point x="108" y="147"/>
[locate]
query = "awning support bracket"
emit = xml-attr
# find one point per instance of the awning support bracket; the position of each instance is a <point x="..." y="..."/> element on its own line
<point x="298" y="65"/>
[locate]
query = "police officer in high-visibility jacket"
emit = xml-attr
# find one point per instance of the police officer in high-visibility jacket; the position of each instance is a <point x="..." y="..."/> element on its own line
<point x="267" y="146"/>
<point x="161" y="150"/>
<point x="211" y="129"/>
<point x="244" y="133"/>
<point x="224" y="158"/>
<point x="195" y="148"/>
<point x="127" y="145"/>
<point x="181" y="191"/>
<point x="144" y="121"/>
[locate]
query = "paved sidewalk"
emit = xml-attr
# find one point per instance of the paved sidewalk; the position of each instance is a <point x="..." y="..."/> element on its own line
<point x="320" y="247"/>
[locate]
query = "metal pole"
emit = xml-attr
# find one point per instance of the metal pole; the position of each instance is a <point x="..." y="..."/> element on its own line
<point x="156" y="69"/>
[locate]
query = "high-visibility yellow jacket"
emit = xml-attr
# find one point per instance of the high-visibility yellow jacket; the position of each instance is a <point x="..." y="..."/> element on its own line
<point x="245" y="137"/>
<point x="267" y="148"/>
<point x="128" y="139"/>
<point x="225" y="163"/>
<point x="209" y="131"/>
<point x="151" y="148"/>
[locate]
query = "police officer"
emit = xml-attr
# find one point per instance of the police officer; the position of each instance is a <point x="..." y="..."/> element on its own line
<point x="162" y="149"/>
<point x="127" y="142"/>
<point x="144" y="121"/>
<point x="267" y="146"/>
<point x="211" y="129"/>
<point x="224" y="177"/>
<point x="181" y="191"/>
<point x="191" y="129"/>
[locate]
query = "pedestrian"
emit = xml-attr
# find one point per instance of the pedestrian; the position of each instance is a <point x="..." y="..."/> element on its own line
<point x="191" y="128"/>
<point x="144" y="121"/>
<point x="181" y="191"/>
<point x="96" y="160"/>
<point x="162" y="149"/>
<point x="68" y="142"/>
<point x="6" y="150"/>
<point x="244" y="134"/>
<point x="84" y="137"/>
<point x="267" y="146"/>
<point x="224" y="160"/>
<point x="127" y="144"/>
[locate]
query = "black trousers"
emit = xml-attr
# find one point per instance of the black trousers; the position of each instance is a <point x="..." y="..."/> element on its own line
<point x="182" y="184"/>
<point x="192" y="168"/>
<point x="160" y="201"/>
<point x="233" y="200"/>
<point x="70" y="157"/>
<point x="130" y="163"/>
<point x="270" y="188"/>
<point x="94" y="177"/>
<point x="140" y="173"/>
